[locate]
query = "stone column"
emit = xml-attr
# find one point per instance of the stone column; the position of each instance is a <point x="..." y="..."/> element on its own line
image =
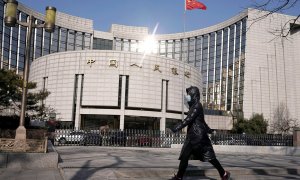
<point x="162" y="126"/>
<point x="77" y="124"/>
<point x="122" y="115"/>
<point x="296" y="137"/>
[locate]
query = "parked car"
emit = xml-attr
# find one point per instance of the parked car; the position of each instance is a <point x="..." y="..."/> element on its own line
<point x="148" y="140"/>
<point x="72" y="137"/>
<point x="91" y="139"/>
<point x="117" y="138"/>
<point x="144" y="140"/>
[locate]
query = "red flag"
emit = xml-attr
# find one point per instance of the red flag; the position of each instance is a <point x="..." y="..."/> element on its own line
<point x="194" y="4"/>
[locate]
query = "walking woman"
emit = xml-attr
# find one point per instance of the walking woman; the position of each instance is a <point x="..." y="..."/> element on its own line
<point x="197" y="142"/>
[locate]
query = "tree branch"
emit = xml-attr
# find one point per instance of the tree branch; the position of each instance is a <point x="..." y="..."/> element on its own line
<point x="282" y="6"/>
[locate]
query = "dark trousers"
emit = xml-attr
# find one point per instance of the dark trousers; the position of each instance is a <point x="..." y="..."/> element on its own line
<point x="184" y="161"/>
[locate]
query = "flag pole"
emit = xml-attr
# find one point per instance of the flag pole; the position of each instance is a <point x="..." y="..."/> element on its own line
<point x="193" y="4"/>
<point x="183" y="60"/>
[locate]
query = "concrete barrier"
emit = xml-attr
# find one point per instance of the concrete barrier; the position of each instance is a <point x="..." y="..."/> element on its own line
<point x="30" y="160"/>
<point x="275" y="150"/>
<point x="296" y="137"/>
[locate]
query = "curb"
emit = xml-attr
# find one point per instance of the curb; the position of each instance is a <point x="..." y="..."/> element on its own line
<point x="30" y="160"/>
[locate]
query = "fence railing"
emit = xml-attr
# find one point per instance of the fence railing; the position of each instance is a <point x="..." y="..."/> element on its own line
<point x="159" y="139"/>
<point x="252" y="140"/>
<point x="128" y="138"/>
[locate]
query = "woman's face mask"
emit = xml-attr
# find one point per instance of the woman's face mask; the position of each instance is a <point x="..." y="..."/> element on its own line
<point x="188" y="98"/>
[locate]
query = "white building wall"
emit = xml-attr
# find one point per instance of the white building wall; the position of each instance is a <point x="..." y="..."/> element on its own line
<point x="101" y="82"/>
<point x="145" y="84"/>
<point x="63" y="19"/>
<point x="296" y="73"/>
<point x="270" y="66"/>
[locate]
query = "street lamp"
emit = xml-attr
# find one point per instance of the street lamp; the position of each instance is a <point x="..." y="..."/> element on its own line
<point x="10" y="21"/>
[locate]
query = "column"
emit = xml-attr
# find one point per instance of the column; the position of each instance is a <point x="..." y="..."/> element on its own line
<point x="296" y="137"/>
<point x="78" y="99"/>
<point x="162" y="126"/>
<point x="122" y="115"/>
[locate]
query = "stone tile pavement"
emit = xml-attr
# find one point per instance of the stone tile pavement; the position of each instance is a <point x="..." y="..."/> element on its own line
<point x="121" y="163"/>
<point x="29" y="174"/>
<point x="149" y="163"/>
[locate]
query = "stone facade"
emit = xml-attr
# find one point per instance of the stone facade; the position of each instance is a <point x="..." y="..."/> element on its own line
<point x="98" y="80"/>
<point x="272" y="66"/>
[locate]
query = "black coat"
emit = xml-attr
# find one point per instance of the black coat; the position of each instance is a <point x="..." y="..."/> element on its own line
<point x="197" y="129"/>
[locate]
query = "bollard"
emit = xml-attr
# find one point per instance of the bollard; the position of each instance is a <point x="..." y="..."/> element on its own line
<point x="296" y="137"/>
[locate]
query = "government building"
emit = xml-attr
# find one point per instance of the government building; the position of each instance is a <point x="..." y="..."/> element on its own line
<point x="128" y="78"/>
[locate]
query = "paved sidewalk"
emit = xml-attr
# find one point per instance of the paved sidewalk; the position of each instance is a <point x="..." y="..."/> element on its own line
<point x="30" y="166"/>
<point x="116" y="163"/>
<point x="150" y="164"/>
<point x="25" y="174"/>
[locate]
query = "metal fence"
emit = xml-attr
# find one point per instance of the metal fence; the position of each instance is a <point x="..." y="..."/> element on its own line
<point x="159" y="139"/>
<point x="252" y="140"/>
<point x="127" y="138"/>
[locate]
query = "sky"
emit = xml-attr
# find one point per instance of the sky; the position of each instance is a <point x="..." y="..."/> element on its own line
<point x="168" y="14"/>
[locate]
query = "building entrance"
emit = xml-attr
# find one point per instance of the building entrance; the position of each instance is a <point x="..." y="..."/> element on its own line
<point x="141" y="123"/>
<point x="95" y="121"/>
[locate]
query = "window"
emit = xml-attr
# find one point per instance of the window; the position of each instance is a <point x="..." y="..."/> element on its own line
<point x="79" y="41"/>
<point x="191" y="53"/>
<point x="237" y="41"/>
<point x="133" y="45"/>
<point x="211" y="51"/>
<point x="225" y="47"/>
<point x="162" y="48"/>
<point x="71" y="40"/>
<point x="14" y="46"/>
<point x="231" y="45"/>
<point x="184" y="50"/>
<point x="244" y="28"/>
<point x="118" y="44"/>
<point x="46" y="47"/>
<point x="170" y="48"/>
<point x="125" y="45"/>
<point x="102" y="44"/>
<point x="205" y="52"/>
<point x="6" y="47"/>
<point x="198" y="50"/>
<point x="87" y="42"/>
<point x="177" y="49"/>
<point x="54" y="40"/>
<point x="22" y="45"/>
<point x="63" y="40"/>
<point x="38" y="40"/>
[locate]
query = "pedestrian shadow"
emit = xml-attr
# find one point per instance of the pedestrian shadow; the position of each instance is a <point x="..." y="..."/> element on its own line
<point x="86" y="172"/>
<point x="272" y="169"/>
<point x="290" y="171"/>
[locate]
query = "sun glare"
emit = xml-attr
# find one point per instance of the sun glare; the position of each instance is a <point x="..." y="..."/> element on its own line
<point x="149" y="45"/>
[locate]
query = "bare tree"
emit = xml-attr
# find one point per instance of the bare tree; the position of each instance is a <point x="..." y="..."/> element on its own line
<point x="282" y="122"/>
<point x="279" y="6"/>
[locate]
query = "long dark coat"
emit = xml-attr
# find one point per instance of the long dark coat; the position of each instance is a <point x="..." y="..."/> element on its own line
<point x="197" y="131"/>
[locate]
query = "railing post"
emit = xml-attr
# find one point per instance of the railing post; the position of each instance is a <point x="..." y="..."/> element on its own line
<point x="296" y="137"/>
